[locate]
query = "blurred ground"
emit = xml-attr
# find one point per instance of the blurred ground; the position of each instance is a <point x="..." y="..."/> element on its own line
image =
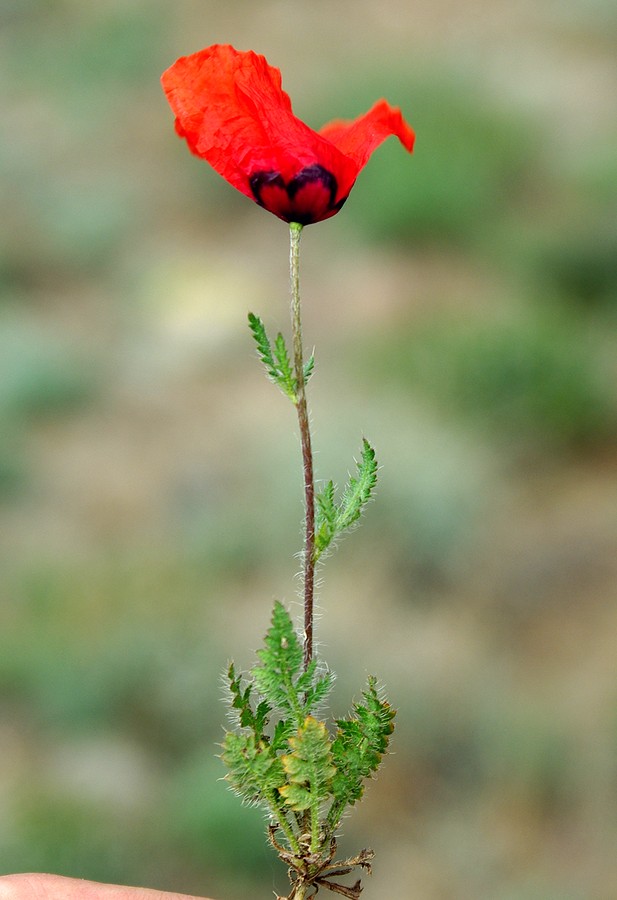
<point x="463" y="306"/>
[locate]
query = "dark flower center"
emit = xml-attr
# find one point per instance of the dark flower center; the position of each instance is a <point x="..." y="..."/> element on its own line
<point x="308" y="197"/>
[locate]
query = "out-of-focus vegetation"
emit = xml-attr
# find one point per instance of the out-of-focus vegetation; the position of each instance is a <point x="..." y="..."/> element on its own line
<point x="464" y="308"/>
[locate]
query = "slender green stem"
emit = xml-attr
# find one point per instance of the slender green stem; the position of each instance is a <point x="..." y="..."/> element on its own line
<point x="279" y="814"/>
<point x="315" y="827"/>
<point x="295" y="231"/>
<point x="334" y="817"/>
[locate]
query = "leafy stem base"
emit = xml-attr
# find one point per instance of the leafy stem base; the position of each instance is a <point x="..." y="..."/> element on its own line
<point x="283" y="755"/>
<point x="310" y="871"/>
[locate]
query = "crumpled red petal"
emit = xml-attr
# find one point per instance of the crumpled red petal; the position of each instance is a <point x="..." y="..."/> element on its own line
<point x="358" y="138"/>
<point x="231" y="109"/>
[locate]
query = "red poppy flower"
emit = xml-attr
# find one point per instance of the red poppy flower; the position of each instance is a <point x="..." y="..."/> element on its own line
<point x="233" y="112"/>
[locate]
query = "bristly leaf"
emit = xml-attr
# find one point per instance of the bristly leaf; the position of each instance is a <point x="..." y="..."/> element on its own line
<point x="359" y="745"/>
<point x="331" y="519"/>
<point x="325" y="518"/>
<point x="280" y="677"/>
<point x="240" y="701"/>
<point x="276" y="361"/>
<point x="280" y="664"/>
<point x="309" y="367"/>
<point x="263" y="346"/>
<point x="358" y="491"/>
<point x="283" y="730"/>
<point x="320" y="690"/>
<point x="308" y="767"/>
<point x="254" y="770"/>
<point x="305" y="679"/>
<point x="285" y="379"/>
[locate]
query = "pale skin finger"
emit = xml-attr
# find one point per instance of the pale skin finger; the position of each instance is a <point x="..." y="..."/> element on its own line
<point x="55" y="887"/>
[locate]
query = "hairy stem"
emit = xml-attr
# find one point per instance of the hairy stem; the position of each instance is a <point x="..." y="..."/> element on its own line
<point x="334" y="817"/>
<point x="295" y="230"/>
<point x="281" y="818"/>
<point x="315" y="827"/>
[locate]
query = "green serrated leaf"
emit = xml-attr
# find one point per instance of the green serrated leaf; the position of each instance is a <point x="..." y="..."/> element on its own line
<point x="264" y="349"/>
<point x="325" y="518"/>
<point x="241" y="701"/>
<point x="286" y="379"/>
<point x="296" y="796"/>
<point x="377" y="716"/>
<point x="359" y="490"/>
<point x="308" y="766"/>
<point x="305" y="679"/>
<point x="309" y="367"/>
<point x="276" y="361"/>
<point x="331" y="519"/>
<point x="359" y="745"/>
<point x="253" y="769"/>
<point x="318" y="692"/>
<point x="261" y="717"/>
<point x="314" y="689"/>
<point x="280" y="663"/>
<point x="283" y="730"/>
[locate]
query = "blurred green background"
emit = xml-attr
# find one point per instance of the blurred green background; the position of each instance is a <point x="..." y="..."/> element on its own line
<point x="464" y="310"/>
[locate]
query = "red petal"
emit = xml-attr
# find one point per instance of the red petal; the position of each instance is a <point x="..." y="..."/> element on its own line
<point x="233" y="112"/>
<point x="358" y="139"/>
